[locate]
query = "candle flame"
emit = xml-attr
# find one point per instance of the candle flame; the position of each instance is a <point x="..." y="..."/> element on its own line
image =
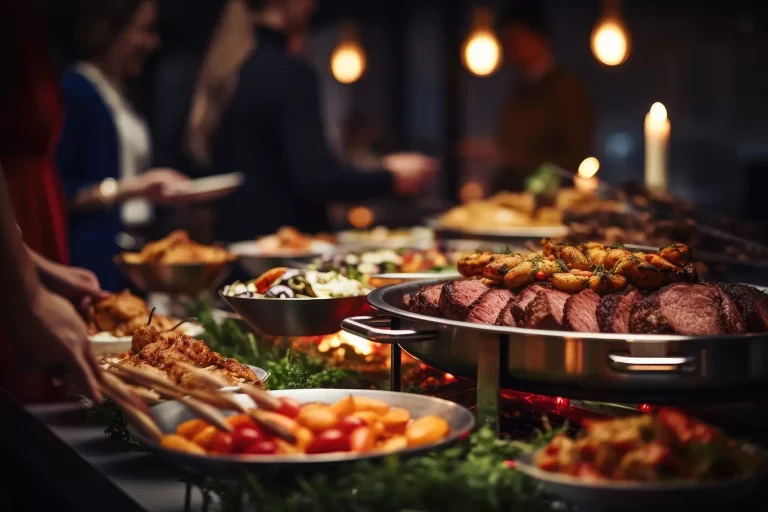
<point x="610" y="43"/>
<point x="658" y="112"/>
<point x="589" y="167"/>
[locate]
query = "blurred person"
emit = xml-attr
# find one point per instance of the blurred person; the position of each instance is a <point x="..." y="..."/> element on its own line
<point x="104" y="149"/>
<point x="547" y="117"/>
<point x="38" y="328"/>
<point x="270" y="128"/>
<point x="360" y="139"/>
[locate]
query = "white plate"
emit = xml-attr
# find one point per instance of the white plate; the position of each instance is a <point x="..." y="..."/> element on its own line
<point x="104" y="343"/>
<point x="656" y="496"/>
<point x="208" y="188"/>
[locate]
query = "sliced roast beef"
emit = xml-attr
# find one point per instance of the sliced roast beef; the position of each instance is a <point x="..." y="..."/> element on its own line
<point x="752" y="304"/>
<point x="580" y="312"/>
<point x="505" y="318"/>
<point x="521" y="301"/>
<point x="685" y="308"/>
<point x="490" y="306"/>
<point x="427" y="301"/>
<point x="614" y="308"/>
<point x="458" y="297"/>
<point x="545" y="311"/>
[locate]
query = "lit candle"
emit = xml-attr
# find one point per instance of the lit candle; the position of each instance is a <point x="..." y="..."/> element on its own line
<point x="657" y="130"/>
<point x="585" y="181"/>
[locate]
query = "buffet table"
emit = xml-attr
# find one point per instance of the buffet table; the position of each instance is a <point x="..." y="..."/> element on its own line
<point x="83" y="466"/>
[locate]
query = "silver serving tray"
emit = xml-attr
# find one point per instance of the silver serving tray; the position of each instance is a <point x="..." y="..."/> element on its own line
<point x="170" y="414"/>
<point x="656" y="496"/>
<point x="175" y="279"/>
<point x="296" y="317"/>
<point x="632" y="368"/>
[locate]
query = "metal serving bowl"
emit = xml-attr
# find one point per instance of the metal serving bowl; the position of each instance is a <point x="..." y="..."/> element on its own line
<point x="297" y="317"/>
<point x="175" y="279"/>
<point x="171" y="414"/>
<point x="658" y="496"/>
<point x="255" y="262"/>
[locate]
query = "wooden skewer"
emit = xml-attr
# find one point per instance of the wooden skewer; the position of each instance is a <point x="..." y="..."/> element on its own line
<point x="167" y="388"/>
<point x="117" y="387"/>
<point x="142" y="421"/>
<point x="261" y="419"/>
<point x="256" y="414"/>
<point x="261" y="397"/>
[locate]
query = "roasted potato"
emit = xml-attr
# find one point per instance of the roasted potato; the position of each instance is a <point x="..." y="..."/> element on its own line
<point x="473" y="263"/>
<point x="497" y="269"/>
<point x="678" y="254"/>
<point x="568" y="282"/>
<point x="605" y="282"/>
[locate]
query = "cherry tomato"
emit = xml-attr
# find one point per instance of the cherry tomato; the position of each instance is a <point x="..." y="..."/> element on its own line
<point x="540" y="276"/>
<point x="245" y="436"/>
<point x="263" y="447"/>
<point x="362" y="439"/>
<point x="649" y="258"/>
<point x="222" y="443"/>
<point x="288" y="407"/>
<point x="350" y="423"/>
<point x="331" y="440"/>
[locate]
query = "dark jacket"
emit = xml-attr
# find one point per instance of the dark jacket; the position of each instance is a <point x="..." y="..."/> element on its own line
<point x="273" y="132"/>
<point x="86" y="154"/>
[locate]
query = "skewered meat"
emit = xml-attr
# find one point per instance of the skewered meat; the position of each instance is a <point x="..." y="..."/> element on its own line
<point x="683" y="308"/>
<point x="614" y="308"/>
<point x="752" y="304"/>
<point x="580" y="312"/>
<point x="154" y="352"/>
<point x="489" y="308"/>
<point x="458" y="297"/>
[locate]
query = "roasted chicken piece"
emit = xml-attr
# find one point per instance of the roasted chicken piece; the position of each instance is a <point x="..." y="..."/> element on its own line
<point x="121" y="314"/>
<point x="159" y="351"/>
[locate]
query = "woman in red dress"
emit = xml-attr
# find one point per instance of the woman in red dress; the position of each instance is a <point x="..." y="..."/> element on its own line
<point x="31" y="115"/>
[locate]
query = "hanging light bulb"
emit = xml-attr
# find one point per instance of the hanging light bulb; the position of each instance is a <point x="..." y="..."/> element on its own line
<point x="348" y="58"/>
<point x="481" y="53"/>
<point x="610" y="38"/>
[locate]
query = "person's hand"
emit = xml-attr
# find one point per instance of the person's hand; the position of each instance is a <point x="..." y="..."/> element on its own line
<point x="54" y="337"/>
<point x="79" y="285"/>
<point x="155" y="185"/>
<point x="411" y="171"/>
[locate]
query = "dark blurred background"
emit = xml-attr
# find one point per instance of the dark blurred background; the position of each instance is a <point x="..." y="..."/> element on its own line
<point x="703" y="60"/>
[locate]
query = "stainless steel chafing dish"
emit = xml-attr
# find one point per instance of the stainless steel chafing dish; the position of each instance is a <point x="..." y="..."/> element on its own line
<point x="630" y="368"/>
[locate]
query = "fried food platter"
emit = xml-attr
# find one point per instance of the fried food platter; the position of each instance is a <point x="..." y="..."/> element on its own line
<point x="176" y="265"/>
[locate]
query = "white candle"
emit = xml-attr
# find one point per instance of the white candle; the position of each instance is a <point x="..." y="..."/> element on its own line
<point x="657" y="128"/>
<point x="585" y="181"/>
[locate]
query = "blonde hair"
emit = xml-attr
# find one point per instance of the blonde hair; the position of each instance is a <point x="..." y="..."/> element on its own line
<point x="232" y="42"/>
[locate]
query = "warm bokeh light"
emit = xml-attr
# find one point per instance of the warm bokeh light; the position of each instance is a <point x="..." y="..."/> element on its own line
<point x="658" y="113"/>
<point x="589" y="167"/>
<point x="482" y="53"/>
<point x="610" y="42"/>
<point x="471" y="191"/>
<point x="360" y="217"/>
<point x="348" y="62"/>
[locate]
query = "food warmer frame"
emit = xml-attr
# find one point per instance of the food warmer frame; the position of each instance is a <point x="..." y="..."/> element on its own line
<point x="624" y="368"/>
